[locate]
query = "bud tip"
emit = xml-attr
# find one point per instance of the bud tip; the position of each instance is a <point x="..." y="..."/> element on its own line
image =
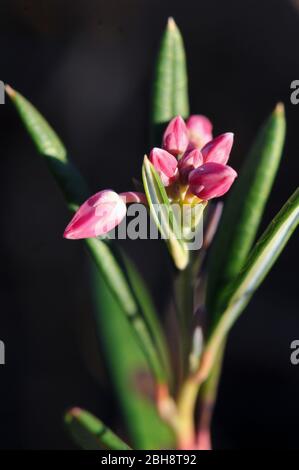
<point x="71" y="413"/>
<point x="279" y="109"/>
<point x="171" y="25"/>
<point x="10" y="91"/>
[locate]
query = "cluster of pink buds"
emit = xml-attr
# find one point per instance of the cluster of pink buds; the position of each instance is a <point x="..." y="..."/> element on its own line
<point x="192" y="159"/>
<point x="191" y="164"/>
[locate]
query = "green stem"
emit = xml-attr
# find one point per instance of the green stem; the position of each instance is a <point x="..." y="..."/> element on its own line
<point x="186" y="408"/>
<point x="184" y="305"/>
<point x="208" y="396"/>
<point x="186" y="403"/>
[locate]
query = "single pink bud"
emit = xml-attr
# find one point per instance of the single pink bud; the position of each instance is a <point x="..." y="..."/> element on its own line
<point x="175" y="138"/>
<point x="211" y="180"/>
<point x="133" y="197"/>
<point x="218" y="150"/>
<point x="190" y="160"/>
<point x="98" y="215"/>
<point x="165" y="164"/>
<point x="200" y="130"/>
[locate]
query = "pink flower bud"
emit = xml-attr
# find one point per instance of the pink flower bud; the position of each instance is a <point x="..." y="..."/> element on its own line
<point x="98" y="215"/>
<point x="191" y="159"/>
<point x="175" y="138"/>
<point x="211" y="180"/>
<point x="218" y="150"/>
<point x="165" y="164"/>
<point x="200" y="130"/>
<point x="133" y="197"/>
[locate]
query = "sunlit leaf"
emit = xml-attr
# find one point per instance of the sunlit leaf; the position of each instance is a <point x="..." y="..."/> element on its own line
<point x="244" y="208"/>
<point x="260" y="261"/>
<point x="170" y="87"/>
<point x="103" y="253"/>
<point x="163" y="214"/>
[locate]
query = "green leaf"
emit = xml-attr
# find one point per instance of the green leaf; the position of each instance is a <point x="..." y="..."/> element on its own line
<point x="48" y="144"/>
<point x="170" y="87"/>
<point x="90" y="433"/>
<point x="44" y="137"/>
<point x="107" y="259"/>
<point x="116" y="300"/>
<point x="103" y="253"/>
<point x="163" y="214"/>
<point x="146" y="305"/>
<point x="244" y="208"/>
<point x="260" y="261"/>
<point x="127" y="367"/>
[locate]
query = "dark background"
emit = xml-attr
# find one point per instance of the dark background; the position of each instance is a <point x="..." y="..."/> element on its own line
<point x="87" y="65"/>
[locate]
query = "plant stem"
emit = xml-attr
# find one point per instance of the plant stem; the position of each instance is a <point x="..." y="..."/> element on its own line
<point x="186" y="403"/>
<point x="208" y="397"/>
<point x="183" y="289"/>
<point x="203" y="440"/>
<point x="186" y="407"/>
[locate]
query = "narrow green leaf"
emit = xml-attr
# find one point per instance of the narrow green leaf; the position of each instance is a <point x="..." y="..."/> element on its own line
<point x="115" y="301"/>
<point x="102" y="252"/>
<point x="145" y="302"/>
<point x="163" y="214"/>
<point x="261" y="259"/>
<point x="170" y="87"/>
<point x="44" y="137"/>
<point x="244" y="208"/>
<point x="90" y="433"/>
<point x="48" y="144"/>
<point x="128" y="368"/>
<point x="107" y="259"/>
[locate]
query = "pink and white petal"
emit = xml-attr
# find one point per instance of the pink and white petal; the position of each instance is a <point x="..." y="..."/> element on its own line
<point x="133" y="197"/>
<point x="200" y="130"/>
<point x="211" y="180"/>
<point x="175" y="138"/>
<point x="218" y="150"/>
<point x="165" y="164"/>
<point x="98" y="215"/>
<point x="190" y="160"/>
